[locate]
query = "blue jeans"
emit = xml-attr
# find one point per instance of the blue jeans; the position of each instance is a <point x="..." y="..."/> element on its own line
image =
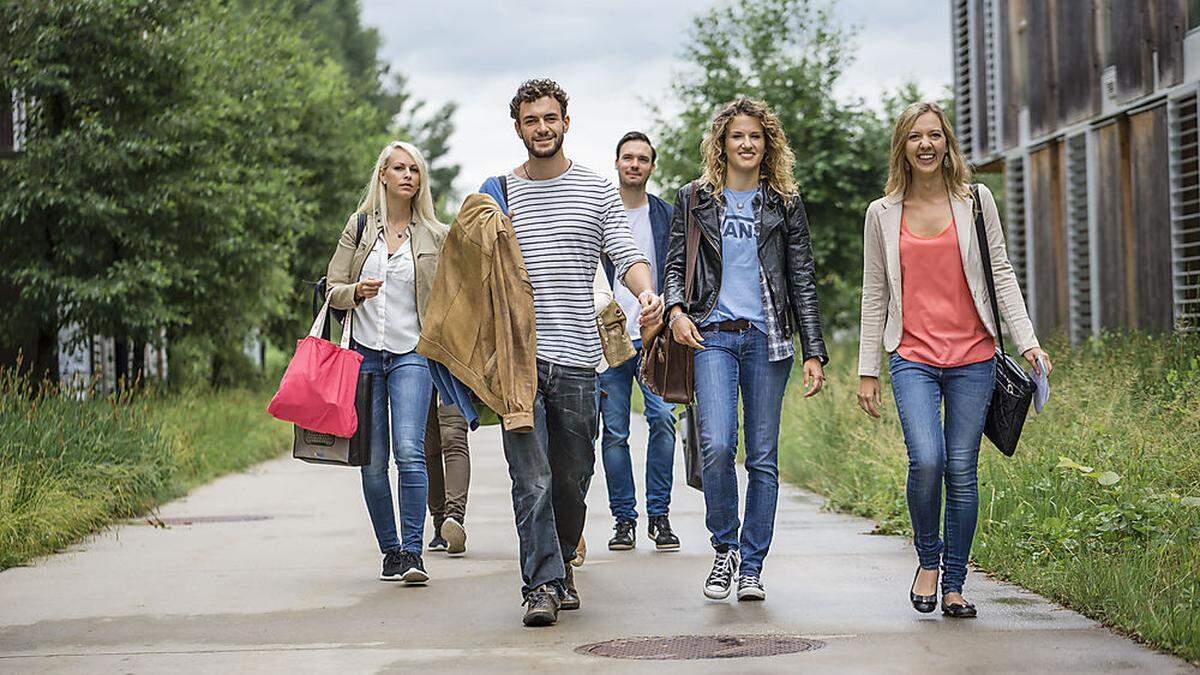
<point x="550" y="468"/>
<point x="617" y="384"/>
<point x="729" y="361"/>
<point x="940" y="453"/>
<point x="403" y="388"/>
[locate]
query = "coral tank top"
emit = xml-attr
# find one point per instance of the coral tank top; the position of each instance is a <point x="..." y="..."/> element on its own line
<point x="941" y="327"/>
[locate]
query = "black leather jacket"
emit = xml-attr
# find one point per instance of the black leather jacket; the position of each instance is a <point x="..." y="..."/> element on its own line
<point x="784" y="251"/>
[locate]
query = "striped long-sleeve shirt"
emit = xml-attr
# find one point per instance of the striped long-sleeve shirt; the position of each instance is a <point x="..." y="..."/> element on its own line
<point x="562" y="226"/>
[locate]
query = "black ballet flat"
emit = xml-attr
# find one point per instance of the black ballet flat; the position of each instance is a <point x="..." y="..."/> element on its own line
<point x="959" y="610"/>
<point x="922" y="603"/>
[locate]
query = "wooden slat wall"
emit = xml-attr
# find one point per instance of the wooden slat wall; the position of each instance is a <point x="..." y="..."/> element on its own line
<point x="1170" y="23"/>
<point x="1012" y="70"/>
<point x="979" y="97"/>
<point x="1130" y="30"/>
<point x="1048" y="246"/>
<point x="1151" y="245"/>
<point x="1041" y="93"/>
<point x="1111" y="312"/>
<point x="1077" y="64"/>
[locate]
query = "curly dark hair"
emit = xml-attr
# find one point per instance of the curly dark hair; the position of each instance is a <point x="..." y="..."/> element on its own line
<point x="532" y="90"/>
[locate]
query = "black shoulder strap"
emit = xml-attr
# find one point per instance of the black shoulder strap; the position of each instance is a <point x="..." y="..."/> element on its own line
<point x="504" y="188"/>
<point x="362" y="225"/>
<point x="985" y="254"/>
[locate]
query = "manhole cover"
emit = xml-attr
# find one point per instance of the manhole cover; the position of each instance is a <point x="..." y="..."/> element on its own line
<point x="687" y="647"/>
<point x="196" y="520"/>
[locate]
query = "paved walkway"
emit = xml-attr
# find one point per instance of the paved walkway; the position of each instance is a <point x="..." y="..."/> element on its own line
<point x="277" y="573"/>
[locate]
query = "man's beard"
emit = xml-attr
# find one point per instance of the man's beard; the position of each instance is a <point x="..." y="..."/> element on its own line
<point x="529" y="145"/>
<point x="640" y="184"/>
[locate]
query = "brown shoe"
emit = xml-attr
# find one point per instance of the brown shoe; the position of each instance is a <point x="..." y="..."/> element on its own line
<point x="580" y="553"/>
<point x="541" y="606"/>
<point x="572" y="599"/>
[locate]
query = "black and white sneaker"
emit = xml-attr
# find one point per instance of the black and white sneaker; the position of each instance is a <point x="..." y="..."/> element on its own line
<point x="720" y="579"/>
<point x="750" y="588"/>
<point x="392" y="566"/>
<point x="456" y="537"/>
<point x="412" y="570"/>
<point x="437" y="543"/>
<point x="623" y="536"/>
<point x="659" y="529"/>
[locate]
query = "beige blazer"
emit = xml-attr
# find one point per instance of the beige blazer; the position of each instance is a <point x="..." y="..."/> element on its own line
<point x="882" y="313"/>
<point x="347" y="262"/>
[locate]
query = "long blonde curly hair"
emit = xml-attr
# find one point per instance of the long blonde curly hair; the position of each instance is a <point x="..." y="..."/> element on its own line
<point x="955" y="170"/>
<point x="777" y="163"/>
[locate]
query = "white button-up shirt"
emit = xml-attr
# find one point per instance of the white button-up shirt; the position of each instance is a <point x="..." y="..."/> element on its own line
<point x="388" y="322"/>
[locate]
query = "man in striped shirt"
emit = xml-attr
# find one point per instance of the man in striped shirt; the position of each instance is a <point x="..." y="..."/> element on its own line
<point x="564" y="217"/>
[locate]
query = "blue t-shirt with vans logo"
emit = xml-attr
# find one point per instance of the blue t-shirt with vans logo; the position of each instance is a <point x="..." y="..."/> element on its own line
<point x="741" y="295"/>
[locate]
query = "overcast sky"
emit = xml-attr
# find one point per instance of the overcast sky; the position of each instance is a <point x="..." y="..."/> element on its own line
<point x="611" y="57"/>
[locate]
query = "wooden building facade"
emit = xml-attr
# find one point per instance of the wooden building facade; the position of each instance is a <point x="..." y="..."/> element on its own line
<point x="1090" y="109"/>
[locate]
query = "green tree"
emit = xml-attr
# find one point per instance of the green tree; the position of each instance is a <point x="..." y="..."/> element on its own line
<point x="791" y="54"/>
<point x="175" y="160"/>
<point x="341" y="147"/>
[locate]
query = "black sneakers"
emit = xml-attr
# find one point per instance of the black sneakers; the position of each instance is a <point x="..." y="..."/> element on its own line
<point x="391" y="566"/>
<point x="571" y="601"/>
<point x="541" y="606"/>
<point x="403" y="566"/>
<point x="623" y="538"/>
<point x="750" y="588"/>
<point x="437" y="544"/>
<point x="659" y="529"/>
<point x="720" y="579"/>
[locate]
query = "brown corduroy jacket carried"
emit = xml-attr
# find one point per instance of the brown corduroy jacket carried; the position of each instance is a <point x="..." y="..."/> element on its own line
<point x="479" y="320"/>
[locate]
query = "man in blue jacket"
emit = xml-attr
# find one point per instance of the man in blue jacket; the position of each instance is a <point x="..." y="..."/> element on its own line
<point x="650" y="221"/>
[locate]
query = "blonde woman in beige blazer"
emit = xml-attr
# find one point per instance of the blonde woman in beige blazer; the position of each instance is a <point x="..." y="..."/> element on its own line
<point x="925" y="300"/>
<point x="384" y="276"/>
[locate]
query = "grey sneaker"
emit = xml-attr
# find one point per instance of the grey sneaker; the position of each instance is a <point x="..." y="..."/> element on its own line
<point x="750" y="588"/>
<point x="456" y="537"/>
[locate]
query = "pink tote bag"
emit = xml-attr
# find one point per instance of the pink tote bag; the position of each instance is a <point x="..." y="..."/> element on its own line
<point x="317" y="390"/>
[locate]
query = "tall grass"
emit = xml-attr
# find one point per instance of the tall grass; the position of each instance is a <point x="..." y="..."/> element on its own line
<point x="70" y="467"/>
<point x="1100" y="507"/>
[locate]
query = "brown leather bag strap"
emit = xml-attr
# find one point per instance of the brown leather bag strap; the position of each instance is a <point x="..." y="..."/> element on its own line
<point x="693" y="247"/>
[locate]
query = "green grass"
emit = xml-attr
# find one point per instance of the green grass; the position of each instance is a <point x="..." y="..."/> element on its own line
<point x="1100" y="507"/>
<point x="70" y="467"/>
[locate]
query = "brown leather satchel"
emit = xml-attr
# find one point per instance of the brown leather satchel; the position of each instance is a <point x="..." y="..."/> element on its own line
<point x="667" y="365"/>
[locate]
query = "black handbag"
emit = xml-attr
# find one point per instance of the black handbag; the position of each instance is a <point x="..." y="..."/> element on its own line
<point x="318" y="448"/>
<point x="693" y="462"/>
<point x="1013" y="391"/>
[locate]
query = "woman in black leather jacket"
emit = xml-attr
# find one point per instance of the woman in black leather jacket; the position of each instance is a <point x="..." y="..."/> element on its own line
<point x="754" y="288"/>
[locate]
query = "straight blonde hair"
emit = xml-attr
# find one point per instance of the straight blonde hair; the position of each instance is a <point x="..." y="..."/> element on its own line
<point x="956" y="173"/>
<point x="778" y="161"/>
<point x="374" y="201"/>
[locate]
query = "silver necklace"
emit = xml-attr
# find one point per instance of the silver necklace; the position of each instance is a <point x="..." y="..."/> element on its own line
<point x="742" y="205"/>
